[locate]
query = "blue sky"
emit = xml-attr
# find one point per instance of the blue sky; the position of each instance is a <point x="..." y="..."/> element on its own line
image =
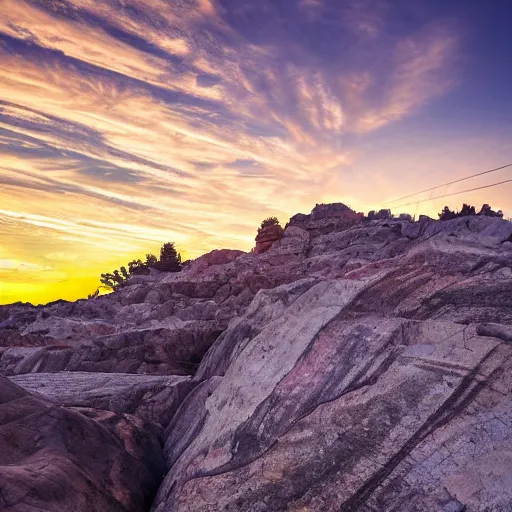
<point x="128" y="123"/>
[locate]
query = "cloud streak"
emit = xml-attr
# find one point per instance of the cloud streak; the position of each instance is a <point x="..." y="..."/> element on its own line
<point x="144" y="121"/>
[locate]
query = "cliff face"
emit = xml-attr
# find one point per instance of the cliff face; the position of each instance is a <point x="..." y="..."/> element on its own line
<point x="354" y="366"/>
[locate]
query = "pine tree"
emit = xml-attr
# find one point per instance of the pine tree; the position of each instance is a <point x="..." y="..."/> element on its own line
<point x="467" y="210"/>
<point x="170" y="258"/>
<point x="170" y="261"/>
<point x="151" y="260"/>
<point x="447" y="214"/>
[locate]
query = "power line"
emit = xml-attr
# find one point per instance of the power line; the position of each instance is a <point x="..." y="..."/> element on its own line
<point x="452" y="194"/>
<point x="445" y="184"/>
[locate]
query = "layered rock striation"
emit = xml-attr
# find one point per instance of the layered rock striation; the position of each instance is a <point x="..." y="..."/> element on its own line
<point x="355" y="365"/>
<point x="62" y="459"/>
<point x="266" y="237"/>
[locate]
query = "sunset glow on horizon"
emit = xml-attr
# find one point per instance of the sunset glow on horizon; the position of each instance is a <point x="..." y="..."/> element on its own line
<point x="125" y="124"/>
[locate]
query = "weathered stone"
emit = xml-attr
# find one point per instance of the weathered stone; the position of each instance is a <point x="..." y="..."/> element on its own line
<point x="154" y="398"/>
<point x="326" y="218"/>
<point x="353" y="366"/>
<point x="323" y="410"/>
<point x="266" y="237"/>
<point x="57" y="459"/>
<point x="212" y="259"/>
<point x="324" y="211"/>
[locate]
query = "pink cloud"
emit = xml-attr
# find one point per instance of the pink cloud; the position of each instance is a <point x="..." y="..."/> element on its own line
<point x="422" y="70"/>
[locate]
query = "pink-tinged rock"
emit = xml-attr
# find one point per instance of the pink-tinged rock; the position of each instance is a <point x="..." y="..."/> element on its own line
<point x="355" y="365"/>
<point x="59" y="460"/>
<point x="213" y="258"/>
<point x="266" y="237"/>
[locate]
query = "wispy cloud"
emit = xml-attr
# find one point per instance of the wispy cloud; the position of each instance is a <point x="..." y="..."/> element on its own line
<point x="422" y="70"/>
<point x="6" y="264"/>
<point x="142" y="121"/>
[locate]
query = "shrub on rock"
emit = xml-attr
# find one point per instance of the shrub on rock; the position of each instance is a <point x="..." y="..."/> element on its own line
<point x="447" y="214"/>
<point x="170" y="258"/>
<point x="270" y="231"/>
<point x="170" y="261"/>
<point x="468" y="210"/>
<point x="269" y="221"/>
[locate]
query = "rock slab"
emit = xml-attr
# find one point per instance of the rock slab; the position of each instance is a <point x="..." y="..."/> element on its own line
<point x="355" y="365"/>
<point x="61" y="459"/>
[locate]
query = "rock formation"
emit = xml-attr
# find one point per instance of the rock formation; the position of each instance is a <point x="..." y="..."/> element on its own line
<point x="325" y="218"/>
<point x="381" y="215"/>
<point x="353" y="366"/>
<point x="70" y="459"/>
<point x="266" y="237"/>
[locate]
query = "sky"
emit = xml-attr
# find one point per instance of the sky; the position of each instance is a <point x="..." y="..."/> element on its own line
<point x="125" y="124"/>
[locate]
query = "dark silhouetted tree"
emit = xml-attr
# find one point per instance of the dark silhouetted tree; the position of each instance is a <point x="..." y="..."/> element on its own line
<point x="466" y="211"/>
<point x="94" y="294"/>
<point x="112" y="280"/>
<point x="380" y="215"/>
<point x="489" y="212"/>
<point x="170" y="261"/>
<point x="269" y="221"/>
<point x="447" y="214"/>
<point x="137" y="267"/>
<point x="170" y="258"/>
<point x="151" y="260"/>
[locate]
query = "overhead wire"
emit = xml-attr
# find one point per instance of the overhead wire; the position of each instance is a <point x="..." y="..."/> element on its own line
<point x="445" y="184"/>
<point x="453" y="193"/>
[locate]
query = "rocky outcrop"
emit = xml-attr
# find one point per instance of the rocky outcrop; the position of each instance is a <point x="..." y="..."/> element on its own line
<point x="326" y="218"/>
<point x="157" y="324"/>
<point x="159" y="350"/>
<point x="61" y="459"/>
<point x="333" y="211"/>
<point x="380" y="388"/>
<point x="356" y="365"/>
<point x="151" y="397"/>
<point x="266" y="237"/>
<point x="374" y="414"/>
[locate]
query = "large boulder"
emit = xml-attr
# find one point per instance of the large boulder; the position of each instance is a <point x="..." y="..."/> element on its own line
<point x="327" y="218"/>
<point x="56" y="459"/>
<point x="332" y="210"/>
<point x="312" y="403"/>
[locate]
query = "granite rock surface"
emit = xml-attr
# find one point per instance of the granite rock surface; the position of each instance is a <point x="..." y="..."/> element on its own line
<point x="61" y="459"/>
<point x="354" y="366"/>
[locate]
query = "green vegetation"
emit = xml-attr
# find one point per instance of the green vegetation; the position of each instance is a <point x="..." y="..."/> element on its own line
<point x="269" y="221"/>
<point x="467" y="211"/>
<point x="151" y="260"/>
<point x="170" y="261"/>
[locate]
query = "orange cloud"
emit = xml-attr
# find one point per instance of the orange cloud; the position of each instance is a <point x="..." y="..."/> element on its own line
<point x="119" y="131"/>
